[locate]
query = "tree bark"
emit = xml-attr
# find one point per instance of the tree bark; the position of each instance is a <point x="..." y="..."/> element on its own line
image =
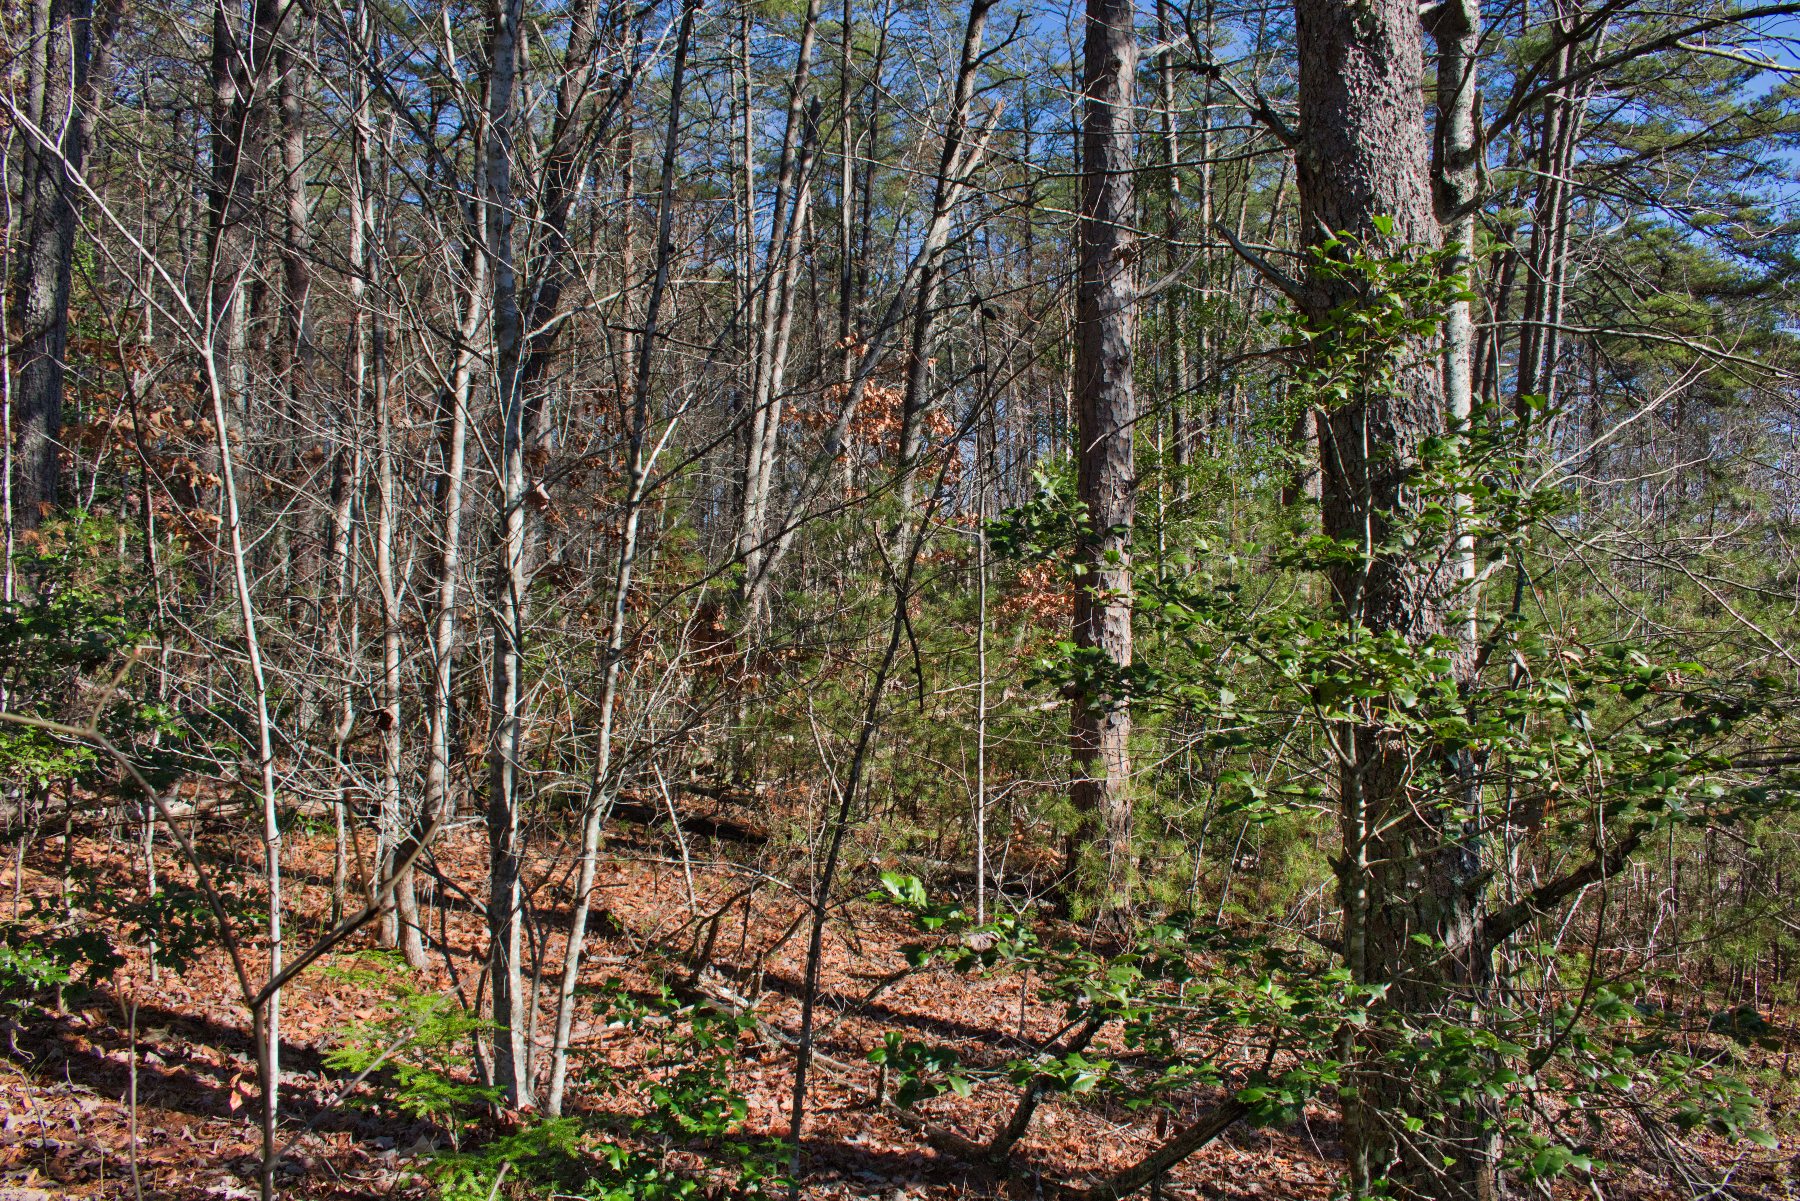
<point x="267" y="1015"/>
<point x="240" y="69"/>
<point x="1175" y="305"/>
<point x="60" y="105"/>
<point x="846" y="192"/>
<point x="505" y="895"/>
<point x="1409" y="879"/>
<point x="1456" y="191"/>
<point x="1106" y="318"/>
<point x="296" y="250"/>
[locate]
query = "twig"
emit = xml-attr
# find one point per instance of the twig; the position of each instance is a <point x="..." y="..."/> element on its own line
<point x="137" y="1185"/>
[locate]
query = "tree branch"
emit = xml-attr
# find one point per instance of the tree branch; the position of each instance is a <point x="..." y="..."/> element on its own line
<point x="1211" y="1125"/>
<point x="1504" y="923"/>
<point x="1524" y="99"/>
<point x="1285" y="283"/>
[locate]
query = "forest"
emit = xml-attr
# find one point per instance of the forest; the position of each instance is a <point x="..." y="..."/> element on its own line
<point x="673" y="600"/>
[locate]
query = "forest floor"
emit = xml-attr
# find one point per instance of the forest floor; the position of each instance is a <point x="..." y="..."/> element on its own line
<point x="66" y="1123"/>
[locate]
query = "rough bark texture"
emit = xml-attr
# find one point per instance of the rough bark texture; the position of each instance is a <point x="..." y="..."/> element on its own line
<point x="60" y="106"/>
<point x="1407" y="869"/>
<point x="1106" y="315"/>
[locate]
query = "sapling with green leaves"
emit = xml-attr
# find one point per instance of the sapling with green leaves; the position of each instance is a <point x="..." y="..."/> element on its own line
<point x="1451" y="765"/>
<point x="1488" y="776"/>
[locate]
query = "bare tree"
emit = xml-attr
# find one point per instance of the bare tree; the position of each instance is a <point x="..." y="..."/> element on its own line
<point x="772" y="314"/>
<point x="506" y="899"/>
<point x="641" y="462"/>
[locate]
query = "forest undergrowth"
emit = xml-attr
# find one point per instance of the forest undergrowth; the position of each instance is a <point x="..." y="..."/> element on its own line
<point x="167" y="1054"/>
<point x="659" y="600"/>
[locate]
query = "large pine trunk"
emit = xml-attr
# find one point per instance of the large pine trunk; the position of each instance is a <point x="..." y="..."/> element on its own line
<point x="1409" y="875"/>
<point x="58" y="103"/>
<point x="1106" y="315"/>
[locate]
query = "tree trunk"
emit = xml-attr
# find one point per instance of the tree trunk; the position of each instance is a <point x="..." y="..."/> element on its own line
<point x="453" y="427"/>
<point x="505" y="896"/>
<point x="1565" y="112"/>
<point x="642" y="460"/>
<point x="1456" y="190"/>
<point x="771" y="308"/>
<point x="60" y="105"/>
<point x="343" y="634"/>
<point x="573" y="140"/>
<point x="1106" y="316"/>
<point x="1409" y="879"/>
<point x="240" y="66"/>
<point x="846" y="193"/>
<point x="267" y="1016"/>
<point x="1175" y="306"/>
<point x="296" y="250"/>
<point x="410" y="937"/>
<point x="917" y="397"/>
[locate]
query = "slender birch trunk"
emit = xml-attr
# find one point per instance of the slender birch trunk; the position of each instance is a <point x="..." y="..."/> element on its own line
<point x="770" y="303"/>
<point x="345" y="477"/>
<point x="268" y="1015"/>
<point x="642" y="458"/>
<point x="1456" y="192"/>
<point x="507" y="602"/>
<point x="453" y="437"/>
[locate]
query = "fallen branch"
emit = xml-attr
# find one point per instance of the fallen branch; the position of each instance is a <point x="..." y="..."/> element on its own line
<point x="1209" y="1126"/>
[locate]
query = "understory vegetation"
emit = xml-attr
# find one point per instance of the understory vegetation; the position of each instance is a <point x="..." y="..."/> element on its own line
<point x="923" y="599"/>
